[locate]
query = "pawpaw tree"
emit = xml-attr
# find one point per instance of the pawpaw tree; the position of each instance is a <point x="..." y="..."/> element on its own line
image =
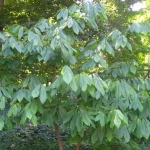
<point x="50" y="74"/>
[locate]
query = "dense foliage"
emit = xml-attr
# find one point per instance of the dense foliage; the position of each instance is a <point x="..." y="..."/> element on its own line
<point x="51" y="74"/>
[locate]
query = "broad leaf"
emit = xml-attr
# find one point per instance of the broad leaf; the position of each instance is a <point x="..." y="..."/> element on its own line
<point x="67" y="74"/>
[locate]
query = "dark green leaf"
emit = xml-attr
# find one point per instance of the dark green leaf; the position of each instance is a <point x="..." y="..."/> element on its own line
<point x="94" y="136"/>
<point x="101" y="118"/>
<point x="85" y="117"/>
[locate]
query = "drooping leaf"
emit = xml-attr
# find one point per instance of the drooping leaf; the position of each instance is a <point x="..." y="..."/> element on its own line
<point x="133" y="68"/>
<point x="85" y="118"/>
<point x="43" y="95"/>
<point x="101" y="118"/>
<point x="2" y="103"/>
<point x="36" y="91"/>
<point x="94" y="136"/>
<point x="20" y="32"/>
<point x="67" y="74"/>
<point x="75" y="27"/>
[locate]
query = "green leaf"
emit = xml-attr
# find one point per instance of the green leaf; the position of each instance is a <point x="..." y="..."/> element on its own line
<point x="68" y="116"/>
<point x="73" y="85"/>
<point x="120" y="115"/>
<point x="72" y="59"/>
<point x="28" y="114"/>
<point x="117" y="89"/>
<point x="139" y="129"/>
<point x="85" y="117"/>
<point x="109" y="135"/>
<point x="109" y="49"/>
<point x="65" y="14"/>
<point x="91" y="90"/>
<point x="83" y="82"/>
<point x="6" y="93"/>
<point x="75" y="27"/>
<point x="54" y="43"/>
<point x="25" y="82"/>
<point x="60" y="14"/>
<point x="36" y="91"/>
<point x="5" y="45"/>
<point x="2" y="36"/>
<point x="8" y="123"/>
<point x="94" y="136"/>
<point x="62" y="112"/>
<point x="37" y="31"/>
<point x="34" y="120"/>
<point x="39" y="108"/>
<point x="133" y="68"/>
<point x="101" y="118"/>
<point x="34" y="106"/>
<point x="129" y="46"/>
<point x="67" y="74"/>
<point x="79" y="122"/>
<point x="145" y="132"/>
<point x="117" y="121"/>
<point x="19" y="95"/>
<point x="73" y="8"/>
<point x="97" y="94"/>
<point x="101" y="133"/>
<point x="103" y="16"/>
<point x="97" y="58"/>
<point x="73" y="121"/>
<point x="43" y="95"/>
<point x="70" y="23"/>
<point x="103" y="62"/>
<point x="110" y="118"/>
<point x="98" y="84"/>
<point x="47" y="119"/>
<point x="23" y="118"/>
<point x="124" y="69"/>
<point x="120" y="132"/>
<point x="20" y="32"/>
<point x="2" y="103"/>
<point x="118" y="43"/>
<point x="73" y="132"/>
<point x="57" y="82"/>
<point x="12" y="111"/>
<point x="82" y="23"/>
<point x="1" y="123"/>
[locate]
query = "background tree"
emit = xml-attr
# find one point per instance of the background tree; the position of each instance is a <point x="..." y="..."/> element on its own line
<point x="29" y="12"/>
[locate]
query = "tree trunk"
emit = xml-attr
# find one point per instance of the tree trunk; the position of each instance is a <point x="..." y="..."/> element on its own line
<point x="58" y="136"/>
<point x="78" y="146"/>
<point x="1" y="4"/>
